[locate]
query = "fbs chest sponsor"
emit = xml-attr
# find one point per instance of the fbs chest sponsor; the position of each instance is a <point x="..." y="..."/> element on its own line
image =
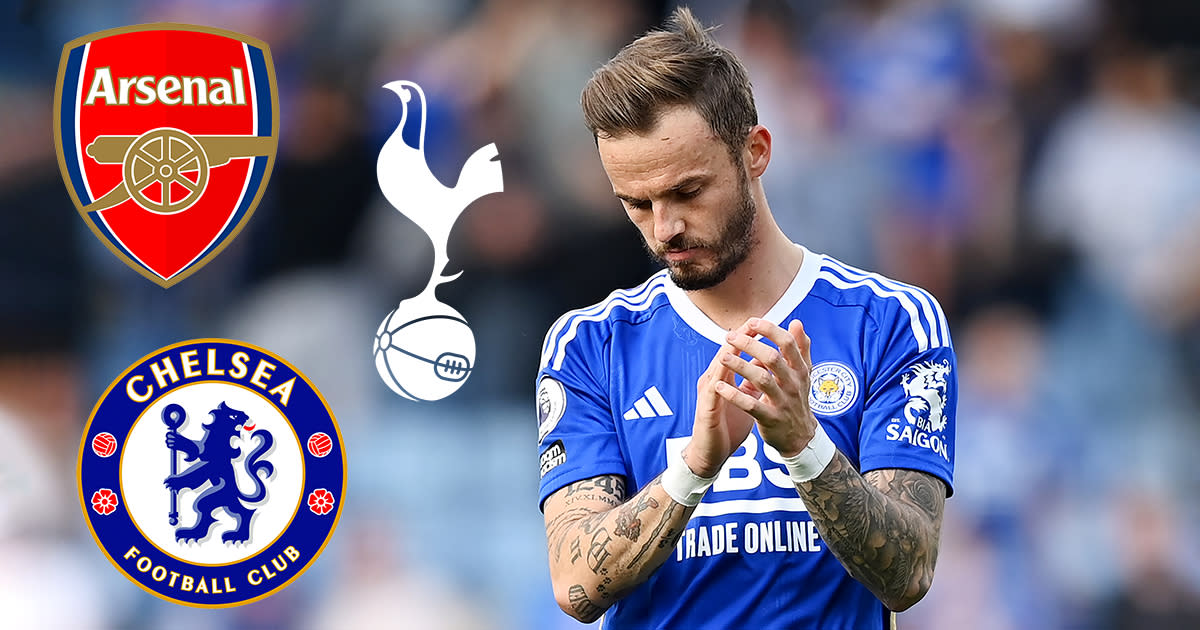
<point x="211" y="473"/>
<point x="166" y="134"/>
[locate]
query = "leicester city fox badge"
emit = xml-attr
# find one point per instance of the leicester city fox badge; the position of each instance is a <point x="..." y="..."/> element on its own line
<point x="212" y="473"/>
<point x="166" y="134"/>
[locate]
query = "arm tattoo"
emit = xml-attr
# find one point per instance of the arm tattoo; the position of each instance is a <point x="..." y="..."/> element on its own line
<point x="663" y="540"/>
<point x="583" y="606"/>
<point x="610" y="485"/>
<point x="620" y="545"/>
<point x="609" y="489"/>
<point x="598" y="552"/>
<point x="882" y="526"/>
<point x="628" y="524"/>
<point x="556" y="529"/>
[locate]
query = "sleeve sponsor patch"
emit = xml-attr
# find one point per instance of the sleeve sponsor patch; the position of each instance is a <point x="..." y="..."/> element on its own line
<point x="554" y="456"/>
<point x="926" y="388"/>
<point x="551" y="403"/>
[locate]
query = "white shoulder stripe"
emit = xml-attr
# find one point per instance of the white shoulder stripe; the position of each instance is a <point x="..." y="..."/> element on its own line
<point x="905" y="300"/>
<point x="854" y="274"/>
<point x="634" y="294"/>
<point x="940" y="322"/>
<point x="941" y="316"/>
<point x="628" y="293"/>
<point x="938" y="330"/>
<point x="643" y="303"/>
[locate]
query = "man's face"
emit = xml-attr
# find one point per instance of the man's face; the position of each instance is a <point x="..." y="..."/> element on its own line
<point x="682" y="189"/>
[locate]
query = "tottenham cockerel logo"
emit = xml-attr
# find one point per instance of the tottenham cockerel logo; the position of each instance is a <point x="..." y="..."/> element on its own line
<point x="166" y="134"/>
<point x="212" y="473"/>
<point x="424" y="350"/>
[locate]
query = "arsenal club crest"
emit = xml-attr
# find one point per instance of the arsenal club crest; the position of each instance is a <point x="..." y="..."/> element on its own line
<point x="212" y="473"/>
<point x="166" y="134"/>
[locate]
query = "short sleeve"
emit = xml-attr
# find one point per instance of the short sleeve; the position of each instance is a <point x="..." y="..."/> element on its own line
<point x="912" y="398"/>
<point x="577" y="436"/>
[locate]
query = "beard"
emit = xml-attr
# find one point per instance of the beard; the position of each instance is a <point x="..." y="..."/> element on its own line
<point x="731" y="247"/>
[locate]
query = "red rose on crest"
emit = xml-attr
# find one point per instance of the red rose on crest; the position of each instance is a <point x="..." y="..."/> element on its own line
<point x="320" y="501"/>
<point x="104" y="501"/>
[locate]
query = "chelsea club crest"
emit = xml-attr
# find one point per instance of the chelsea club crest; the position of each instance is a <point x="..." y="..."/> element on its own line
<point x="212" y="473"/>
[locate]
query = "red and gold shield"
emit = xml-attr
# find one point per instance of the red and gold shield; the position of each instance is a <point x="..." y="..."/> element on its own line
<point x="166" y="134"/>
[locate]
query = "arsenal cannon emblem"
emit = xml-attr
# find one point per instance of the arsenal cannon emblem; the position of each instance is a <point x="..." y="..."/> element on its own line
<point x="166" y="134"/>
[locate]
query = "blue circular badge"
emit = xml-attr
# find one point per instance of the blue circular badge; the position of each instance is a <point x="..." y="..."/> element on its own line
<point x="212" y="473"/>
<point x="833" y="388"/>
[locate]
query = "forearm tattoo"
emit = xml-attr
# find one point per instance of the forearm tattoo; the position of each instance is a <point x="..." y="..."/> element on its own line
<point x="609" y="489"/>
<point x="620" y="546"/>
<point x="882" y="526"/>
<point x="584" y="607"/>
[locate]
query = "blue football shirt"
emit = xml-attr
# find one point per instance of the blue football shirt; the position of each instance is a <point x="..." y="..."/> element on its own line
<point x="617" y="392"/>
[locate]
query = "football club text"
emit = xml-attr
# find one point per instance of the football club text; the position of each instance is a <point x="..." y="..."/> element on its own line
<point x="277" y="568"/>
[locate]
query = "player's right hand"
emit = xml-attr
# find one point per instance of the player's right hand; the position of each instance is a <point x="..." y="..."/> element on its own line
<point x="719" y="427"/>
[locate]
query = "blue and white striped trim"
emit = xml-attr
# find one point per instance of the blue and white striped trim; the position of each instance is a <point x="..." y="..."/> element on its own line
<point x="567" y="327"/>
<point x="928" y="322"/>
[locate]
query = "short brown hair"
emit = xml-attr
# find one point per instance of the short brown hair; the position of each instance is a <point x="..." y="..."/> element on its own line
<point x="681" y="65"/>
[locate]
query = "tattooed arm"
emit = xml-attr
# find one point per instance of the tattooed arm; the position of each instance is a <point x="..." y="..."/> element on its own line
<point x="883" y="526"/>
<point x="602" y="546"/>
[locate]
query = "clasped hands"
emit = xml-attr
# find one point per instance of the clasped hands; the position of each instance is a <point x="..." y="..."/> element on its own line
<point x="773" y="394"/>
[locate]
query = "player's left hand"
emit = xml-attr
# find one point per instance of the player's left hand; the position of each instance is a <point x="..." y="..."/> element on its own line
<point x="776" y="386"/>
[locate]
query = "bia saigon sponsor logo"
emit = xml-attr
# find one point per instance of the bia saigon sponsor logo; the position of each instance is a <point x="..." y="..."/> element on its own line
<point x="924" y="411"/>
<point x="166" y="134"/>
<point x="211" y="473"/>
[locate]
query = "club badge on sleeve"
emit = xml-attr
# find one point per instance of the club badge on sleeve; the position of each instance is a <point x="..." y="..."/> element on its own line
<point x="166" y="134"/>
<point x="211" y="473"/>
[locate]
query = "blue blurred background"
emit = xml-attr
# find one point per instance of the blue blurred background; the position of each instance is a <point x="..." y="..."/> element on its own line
<point x="1033" y="163"/>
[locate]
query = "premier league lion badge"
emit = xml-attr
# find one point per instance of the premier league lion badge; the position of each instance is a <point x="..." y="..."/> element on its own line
<point x="166" y="134"/>
<point x="212" y="473"/>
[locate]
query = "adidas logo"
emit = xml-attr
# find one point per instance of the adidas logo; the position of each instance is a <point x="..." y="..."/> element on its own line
<point x="650" y="405"/>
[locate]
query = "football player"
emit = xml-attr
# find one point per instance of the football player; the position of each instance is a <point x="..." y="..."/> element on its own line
<point x="759" y="436"/>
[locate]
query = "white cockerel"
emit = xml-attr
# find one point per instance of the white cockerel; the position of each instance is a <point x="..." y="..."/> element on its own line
<point x="411" y="188"/>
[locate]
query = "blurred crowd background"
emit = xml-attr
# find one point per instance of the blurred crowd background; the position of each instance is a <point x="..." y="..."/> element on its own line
<point x="1034" y="163"/>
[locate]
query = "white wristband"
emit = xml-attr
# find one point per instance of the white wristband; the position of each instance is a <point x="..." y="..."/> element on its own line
<point x="811" y="462"/>
<point x="683" y="485"/>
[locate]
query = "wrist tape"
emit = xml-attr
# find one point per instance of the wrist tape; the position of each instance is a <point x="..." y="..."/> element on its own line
<point x="811" y="462"/>
<point x="683" y="485"/>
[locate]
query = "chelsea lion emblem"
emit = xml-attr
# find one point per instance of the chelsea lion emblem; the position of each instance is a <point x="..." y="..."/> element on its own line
<point x="212" y="473"/>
